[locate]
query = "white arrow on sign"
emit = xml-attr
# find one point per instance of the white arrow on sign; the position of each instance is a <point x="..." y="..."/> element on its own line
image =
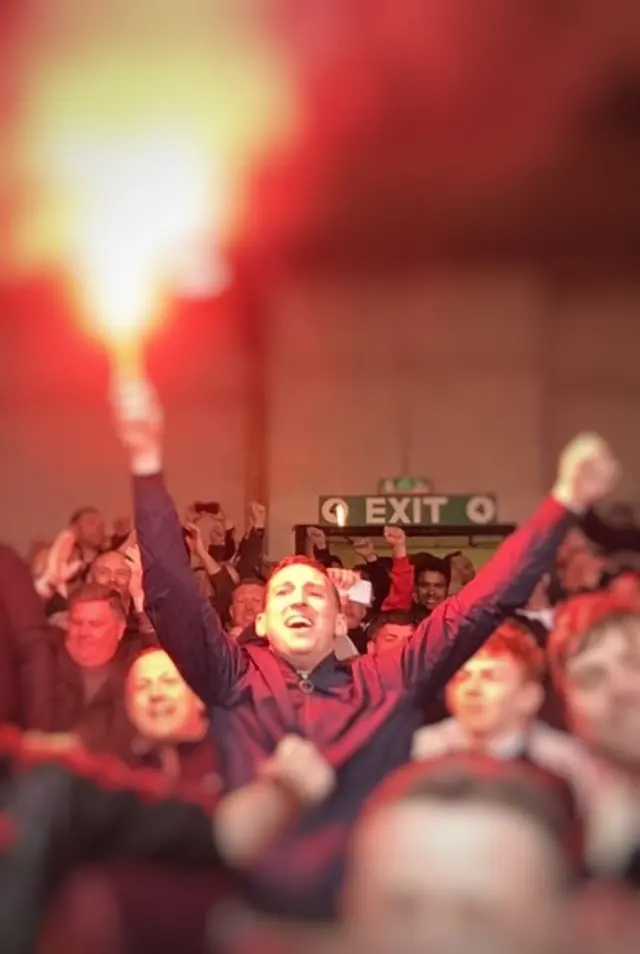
<point x="329" y="510"/>
<point x="481" y="509"/>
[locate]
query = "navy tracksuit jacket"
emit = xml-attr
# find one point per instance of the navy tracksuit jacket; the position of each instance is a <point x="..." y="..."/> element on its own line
<point x="361" y="716"/>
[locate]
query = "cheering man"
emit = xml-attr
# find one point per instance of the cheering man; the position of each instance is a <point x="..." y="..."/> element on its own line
<point x="361" y="716"/>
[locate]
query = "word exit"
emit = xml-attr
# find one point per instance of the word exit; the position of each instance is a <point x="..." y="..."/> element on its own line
<point x="407" y="511"/>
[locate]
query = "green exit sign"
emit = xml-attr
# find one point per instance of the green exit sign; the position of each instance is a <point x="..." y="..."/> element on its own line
<point x="405" y="485"/>
<point x="408" y="510"/>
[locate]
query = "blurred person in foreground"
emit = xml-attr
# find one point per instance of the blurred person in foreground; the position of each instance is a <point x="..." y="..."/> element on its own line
<point x="462" y="855"/>
<point x="594" y="653"/>
<point x="63" y="811"/>
<point x="361" y="715"/>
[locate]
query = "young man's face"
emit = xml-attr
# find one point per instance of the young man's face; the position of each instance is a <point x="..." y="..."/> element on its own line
<point x="423" y="877"/>
<point x="431" y="588"/>
<point x="602" y="692"/>
<point x="579" y="567"/>
<point x="247" y="601"/>
<point x="490" y="696"/>
<point x="388" y="636"/>
<point x="159" y="703"/>
<point x="90" y="529"/>
<point x="94" y="633"/>
<point x="301" y="617"/>
<point x="112" y="570"/>
<point x="354" y="613"/>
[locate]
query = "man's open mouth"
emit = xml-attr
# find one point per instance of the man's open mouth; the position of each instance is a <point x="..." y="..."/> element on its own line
<point x="298" y="621"/>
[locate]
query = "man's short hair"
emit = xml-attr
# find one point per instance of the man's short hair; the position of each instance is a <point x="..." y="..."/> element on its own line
<point x="513" y="639"/>
<point x="250" y="581"/>
<point x="513" y="784"/>
<point x="583" y="620"/>
<point x="301" y="560"/>
<point x="428" y="563"/>
<point x="395" y="617"/>
<point x="97" y="593"/>
<point x="81" y="512"/>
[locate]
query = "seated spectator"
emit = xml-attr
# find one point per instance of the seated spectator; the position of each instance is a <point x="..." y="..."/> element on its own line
<point x="88" y="527"/>
<point x="170" y="722"/>
<point x="122" y="572"/>
<point x="387" y="631"/>
<point x="494" y="700"/>
<point x="91" y="664"/>
<point x="462" y="571"/>
<point x="433" y="578"/>
<point x="247" y="602"/>
<point x="355" y="615"/>
<point x="113" y="571"/>
<point x="423" y="872"/>
<point x="373" y="569"/>
<point x="579" y="568"/>
<point x="355" y="607"/>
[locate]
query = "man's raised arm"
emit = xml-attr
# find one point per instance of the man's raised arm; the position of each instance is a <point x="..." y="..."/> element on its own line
<point x="458" y="628"/>
<point x="186" y="625"/>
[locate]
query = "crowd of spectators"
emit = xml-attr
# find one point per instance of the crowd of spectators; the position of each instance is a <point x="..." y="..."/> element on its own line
<point x="508" y="819"/>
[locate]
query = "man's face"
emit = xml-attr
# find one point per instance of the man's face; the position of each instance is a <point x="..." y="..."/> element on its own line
<point x="431" y="588"/>
<point x="602" y="686"/>
<point x="93" y="633"/>
<point x="388" y="636"/>
<point x="579" y="568"/>
<point x="423" y="877"/>
<point x="217" y="529"/>
<point x="248" y="600"/>
<point x="112" y="570"/>
<point x="354" y="613"/>
<point x="301" y="617"/>
<point x="462" y="570"/>
<point x="489" y="695"/>
<point x="159" y="703"/>
<point x="90" y="529"/>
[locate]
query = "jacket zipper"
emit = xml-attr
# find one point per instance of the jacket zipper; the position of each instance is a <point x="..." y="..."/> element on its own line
<point x="304" y="683"/>
<point x="306" y="687"/>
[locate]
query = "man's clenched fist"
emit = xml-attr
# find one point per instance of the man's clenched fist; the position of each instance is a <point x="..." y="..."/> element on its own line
<point x="139" y="420"/>
<point x="588" y="471"/>
<point x="298" y="767"/>
<point x="397" y="540"/>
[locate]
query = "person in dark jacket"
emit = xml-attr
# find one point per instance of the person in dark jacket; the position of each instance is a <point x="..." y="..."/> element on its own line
<point x="172" y="732"/>
<point x="91" y="664"/>
<point x="361" y="716"/>
<point x="26" y="657"/>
